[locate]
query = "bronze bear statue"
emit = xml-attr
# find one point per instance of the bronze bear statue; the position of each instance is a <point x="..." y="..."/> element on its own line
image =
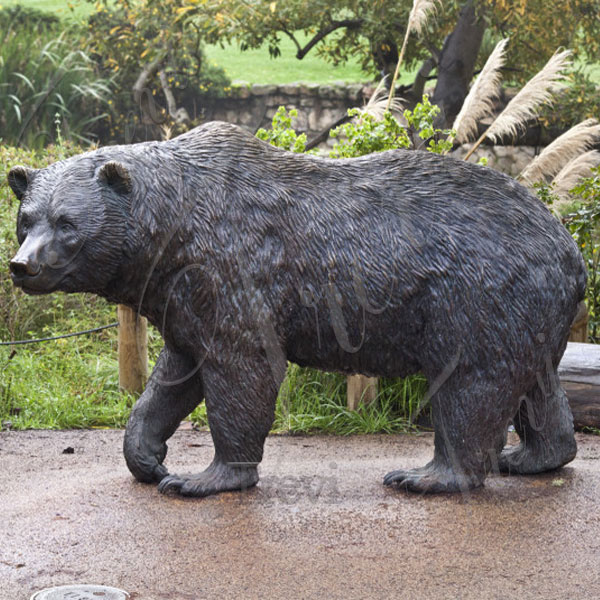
<point x="245" y="257"/>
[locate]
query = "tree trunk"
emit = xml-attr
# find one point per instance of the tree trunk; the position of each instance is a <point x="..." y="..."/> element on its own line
<point x="457" y="61"/>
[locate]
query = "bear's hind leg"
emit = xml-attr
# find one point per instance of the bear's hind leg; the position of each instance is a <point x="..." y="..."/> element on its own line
<point x="466" y="439"/>
<point x="173" y="391"/>
<point x="240" y="403"/>
<point x="545" y="425"/>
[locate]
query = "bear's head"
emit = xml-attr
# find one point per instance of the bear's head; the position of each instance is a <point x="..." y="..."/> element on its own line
<point x="71" y="226"/>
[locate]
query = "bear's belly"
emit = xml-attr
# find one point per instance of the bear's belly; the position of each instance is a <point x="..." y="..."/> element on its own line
<point x="373" y="357"/>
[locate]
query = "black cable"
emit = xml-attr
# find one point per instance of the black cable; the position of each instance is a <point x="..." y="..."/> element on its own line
<point x="58" y="337"/>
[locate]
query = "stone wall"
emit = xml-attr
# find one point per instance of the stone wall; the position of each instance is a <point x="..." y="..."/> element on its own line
<point x="508" y="159"/>
<point x="319" y="106"/>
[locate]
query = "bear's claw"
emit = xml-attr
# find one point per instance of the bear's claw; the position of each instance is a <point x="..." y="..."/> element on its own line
<point x="528" y="460"/>
<point x="430" y="479"/>
<point x="217" y="478"/>
<point x="170" y="483"/>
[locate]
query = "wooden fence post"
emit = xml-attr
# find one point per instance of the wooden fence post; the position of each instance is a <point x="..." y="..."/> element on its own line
<point x="360" y="387"/>
<point x="579" y="328"/>
<point x="133" y="350"/>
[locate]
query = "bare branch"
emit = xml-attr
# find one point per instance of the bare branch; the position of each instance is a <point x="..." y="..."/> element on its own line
<point x="146" y="73"/>
<point x="323" y="33"/>
<point x="293" y="38"/>
<point x="422" y="77"/>
<point x="179" y="115"/>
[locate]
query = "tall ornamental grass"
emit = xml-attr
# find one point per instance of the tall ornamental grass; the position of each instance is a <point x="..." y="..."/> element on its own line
<point x="46" y="76"/>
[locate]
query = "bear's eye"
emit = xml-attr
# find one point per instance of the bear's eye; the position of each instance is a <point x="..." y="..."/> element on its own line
<point x="23" y="228"/>
<point x="64" y="225"/>
<point x="25" y="222"/>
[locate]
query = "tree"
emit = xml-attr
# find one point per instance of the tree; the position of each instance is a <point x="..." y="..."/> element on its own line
<point x="155" y="59"/>
<point x="372" y="30"/>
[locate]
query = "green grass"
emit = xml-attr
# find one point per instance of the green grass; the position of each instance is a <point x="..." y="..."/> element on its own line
<point x="60" y="9"/>
<point x="311" y="400"/>
<point x="61" y="386"/>
<point x="256" y="66"/>
<point x="73" y="384"/>
<point x="67" y="383"/>
<point x="591" y="430"/>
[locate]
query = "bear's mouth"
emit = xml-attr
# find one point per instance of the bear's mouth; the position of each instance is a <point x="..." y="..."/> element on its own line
<point x="36" y="285"/>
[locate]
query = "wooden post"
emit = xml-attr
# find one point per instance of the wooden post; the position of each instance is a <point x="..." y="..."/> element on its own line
<point x="360" y="388"/>
<point x="133" y="350"/>
<point x="579" y="328"/>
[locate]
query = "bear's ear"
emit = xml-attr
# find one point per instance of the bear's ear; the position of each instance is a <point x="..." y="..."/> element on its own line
<point x="116" y="176"/>
<point x="19" y="179"/>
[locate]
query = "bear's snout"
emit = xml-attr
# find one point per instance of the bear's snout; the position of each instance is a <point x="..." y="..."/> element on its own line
<point x="33" y="266"/>
<point x="26" y="262"/>
<point x="20" y="267"/>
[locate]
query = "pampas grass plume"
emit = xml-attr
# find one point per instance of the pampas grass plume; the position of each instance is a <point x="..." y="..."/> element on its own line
<point x="536" y="92"/>
<point x="479" y="102"/>
<point x="563" y="149"/>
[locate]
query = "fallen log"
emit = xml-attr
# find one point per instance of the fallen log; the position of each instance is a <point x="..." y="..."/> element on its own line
<point x="579" y="372"/>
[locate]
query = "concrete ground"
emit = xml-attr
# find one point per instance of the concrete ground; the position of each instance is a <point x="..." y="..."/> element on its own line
<point x="319" y="525"/>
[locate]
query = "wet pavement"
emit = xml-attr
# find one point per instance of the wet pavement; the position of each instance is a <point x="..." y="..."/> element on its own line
<point x="319" y="525"/>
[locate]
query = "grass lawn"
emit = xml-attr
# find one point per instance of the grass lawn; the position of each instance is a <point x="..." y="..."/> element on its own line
<point x="256" y="66"/>
<point x="252" y="66"/>
<point x="59" y="8"/>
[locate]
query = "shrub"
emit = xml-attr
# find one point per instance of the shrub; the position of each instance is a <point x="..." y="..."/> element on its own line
<point x="584" y="224"/>
<point x="282" y="133"/>
<point x="366" y="133"/>
<point x="578" y="101"/>
<point x="42" y="74"/>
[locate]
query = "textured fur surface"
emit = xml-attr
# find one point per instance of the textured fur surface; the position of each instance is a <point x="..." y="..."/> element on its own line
<point x="245" y="256"/>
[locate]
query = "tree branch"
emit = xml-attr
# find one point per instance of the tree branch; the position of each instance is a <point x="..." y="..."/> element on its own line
<point x="292" y="37"/>
<point x="179" y="115"/>
<point x="422" y="77"/>
<point x="321" y="137"/>
<point x="146" y="73"/>
<point x="141" y="92"/>
<point x="348" y="23"/>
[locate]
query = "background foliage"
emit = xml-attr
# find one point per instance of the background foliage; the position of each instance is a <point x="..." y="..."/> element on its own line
<point x="137" y="42"/>
<point x="85" y="75"/>
<point x="367" y="29"/>
<point x="583" y="222"/>
<point x="44" y="73"/>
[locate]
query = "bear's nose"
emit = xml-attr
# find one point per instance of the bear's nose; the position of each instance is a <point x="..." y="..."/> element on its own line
<point x="21" y="268"/>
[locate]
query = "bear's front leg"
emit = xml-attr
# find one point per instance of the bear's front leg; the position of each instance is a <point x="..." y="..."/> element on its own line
<point x="173" y="391"/>
<point x="240" y="403"/>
